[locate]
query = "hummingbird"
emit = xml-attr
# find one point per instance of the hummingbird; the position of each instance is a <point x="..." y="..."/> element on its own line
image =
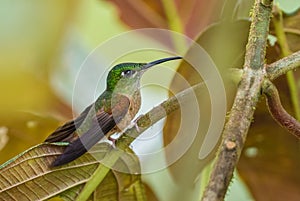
<point x="112" y="111"/>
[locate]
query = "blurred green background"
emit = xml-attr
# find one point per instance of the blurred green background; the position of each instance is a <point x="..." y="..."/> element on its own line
<point x="44" y="43"/>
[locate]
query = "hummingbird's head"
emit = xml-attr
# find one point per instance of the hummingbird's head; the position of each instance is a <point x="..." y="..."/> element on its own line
<point x="125" y="77"/>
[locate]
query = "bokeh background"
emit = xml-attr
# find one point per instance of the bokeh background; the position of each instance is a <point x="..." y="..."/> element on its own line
<point x="43" y="45"/>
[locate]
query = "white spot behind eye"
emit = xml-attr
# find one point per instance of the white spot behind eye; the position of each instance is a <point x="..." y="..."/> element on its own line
<point x="128" y="73"/>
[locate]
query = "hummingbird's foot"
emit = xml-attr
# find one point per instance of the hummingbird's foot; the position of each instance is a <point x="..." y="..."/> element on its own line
<point x="134" y="124"/>
<point x="137" y="127"/>
<point x="113" y="141"/>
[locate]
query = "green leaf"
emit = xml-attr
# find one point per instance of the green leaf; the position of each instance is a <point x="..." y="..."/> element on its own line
<point x="29" y="177"/>
<point x="288" y="7"/>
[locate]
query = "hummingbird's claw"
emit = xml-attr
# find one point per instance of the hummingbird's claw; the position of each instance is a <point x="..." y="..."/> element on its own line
<point x="113" y="141"/>
<point x="135" y="124"/>
<point x="137" y="127"/>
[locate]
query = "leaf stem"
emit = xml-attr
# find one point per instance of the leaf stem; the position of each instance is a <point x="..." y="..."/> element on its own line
<point x="292" y="31"/>
<point x="175" y="24"/>
<point x="98" y="176"/>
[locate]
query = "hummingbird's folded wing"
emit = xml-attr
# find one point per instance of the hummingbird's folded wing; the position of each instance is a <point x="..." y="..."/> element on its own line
<point x="103" y="122"/>
<point x="65" y="133"/>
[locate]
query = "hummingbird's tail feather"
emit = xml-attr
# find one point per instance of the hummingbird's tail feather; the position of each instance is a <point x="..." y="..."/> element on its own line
<point x="80" y="146"/>
<point x="72" y="152"/>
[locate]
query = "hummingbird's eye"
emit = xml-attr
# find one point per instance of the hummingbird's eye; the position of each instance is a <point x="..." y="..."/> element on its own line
<point x="128" y="73"/>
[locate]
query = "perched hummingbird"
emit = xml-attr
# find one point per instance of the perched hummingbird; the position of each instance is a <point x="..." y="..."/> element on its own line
<point x="112" y="112"/>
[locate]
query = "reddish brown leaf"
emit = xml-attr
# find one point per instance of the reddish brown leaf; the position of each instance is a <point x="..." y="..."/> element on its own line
<point x="194" y="14"/>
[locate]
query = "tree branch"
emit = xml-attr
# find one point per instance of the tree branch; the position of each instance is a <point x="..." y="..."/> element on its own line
<point x="235" y="132"/>
<point x="154" y="115"/>
<point x="283" y="65"/>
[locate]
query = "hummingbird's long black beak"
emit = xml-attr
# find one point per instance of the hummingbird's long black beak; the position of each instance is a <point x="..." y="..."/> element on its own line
<point x="153" y="63"/>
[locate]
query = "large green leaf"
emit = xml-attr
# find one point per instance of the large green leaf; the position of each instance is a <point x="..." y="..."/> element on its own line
<point x="29" y="177"/>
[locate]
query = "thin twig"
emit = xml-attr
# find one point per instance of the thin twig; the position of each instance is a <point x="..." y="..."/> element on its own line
<point x="155" y="114"/>
<point x="278" y="112"/>
<point x="292" y="31"/>
<point x="283" y="65"/>
<point x="248" y="93"/>
<point x="174" y="24"/>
